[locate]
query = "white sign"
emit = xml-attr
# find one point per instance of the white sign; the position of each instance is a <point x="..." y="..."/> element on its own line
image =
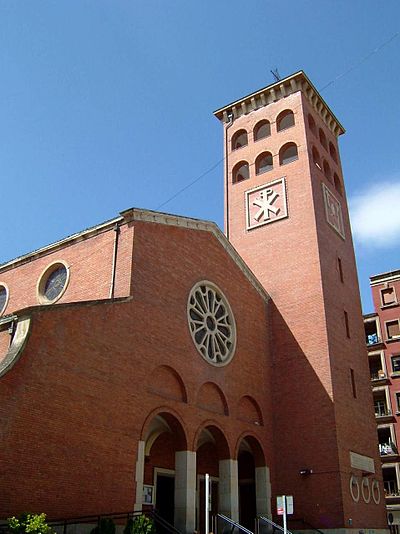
<point x="280" y="504"/>
<point x="364" y="463"/>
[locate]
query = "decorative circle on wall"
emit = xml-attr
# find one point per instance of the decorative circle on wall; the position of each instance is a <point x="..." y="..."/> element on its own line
<point x="376" y="492"/>
<point x="4" y="294"/>
<point x="366" y="490"/>
<point x="53" y="283"/>
<point x="211" y="323"/>
<point x="354" y="488"/>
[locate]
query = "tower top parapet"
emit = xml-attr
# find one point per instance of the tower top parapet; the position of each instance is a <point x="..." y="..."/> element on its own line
<point x="278" y="90"/>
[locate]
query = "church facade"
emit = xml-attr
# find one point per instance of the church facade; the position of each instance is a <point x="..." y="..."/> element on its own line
<point x="150" y="350"/>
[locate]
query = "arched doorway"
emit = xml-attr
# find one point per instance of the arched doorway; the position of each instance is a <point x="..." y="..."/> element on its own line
<point x="212" y="458"/>
<point x="254" y="486"/>
<point x="163" y="472"/>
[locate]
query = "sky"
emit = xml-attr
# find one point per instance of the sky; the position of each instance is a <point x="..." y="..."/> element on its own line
<point x="107" y="105"/>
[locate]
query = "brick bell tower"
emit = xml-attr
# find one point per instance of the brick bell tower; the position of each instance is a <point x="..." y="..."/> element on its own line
<point x="286" y="214"/>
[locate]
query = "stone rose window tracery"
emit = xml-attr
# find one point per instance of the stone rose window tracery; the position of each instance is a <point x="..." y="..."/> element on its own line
<point x="211" y="323"/>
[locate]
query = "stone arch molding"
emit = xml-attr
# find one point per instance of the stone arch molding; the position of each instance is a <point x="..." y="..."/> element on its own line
<point x="18" y="343"/>
<point x="161" y="420"/>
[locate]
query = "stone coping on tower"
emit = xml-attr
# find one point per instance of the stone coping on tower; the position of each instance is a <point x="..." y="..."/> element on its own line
<point x="389" y="276"/>
<point x="137" y="214"/>
<point x="278" y="90"/>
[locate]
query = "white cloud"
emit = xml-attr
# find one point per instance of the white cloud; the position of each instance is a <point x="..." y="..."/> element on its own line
<point x="375" y="215"/>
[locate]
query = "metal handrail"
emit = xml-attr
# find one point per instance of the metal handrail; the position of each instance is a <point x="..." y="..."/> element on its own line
<point x="234" y="524"/>
<point x="272" y="523"/>
<point x="163" y="522"/>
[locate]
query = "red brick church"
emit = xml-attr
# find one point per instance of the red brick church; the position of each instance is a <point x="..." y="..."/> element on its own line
<point x="140" y="354"/>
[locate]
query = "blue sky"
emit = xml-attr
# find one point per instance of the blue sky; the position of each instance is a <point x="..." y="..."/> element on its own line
<point x="105" y="105"/>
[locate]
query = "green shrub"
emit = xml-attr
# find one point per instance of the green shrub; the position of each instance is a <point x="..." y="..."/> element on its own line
<point x="140" y="525"/>
<point x="32" y="523"/>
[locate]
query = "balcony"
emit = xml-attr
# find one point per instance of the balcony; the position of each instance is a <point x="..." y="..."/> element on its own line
<point x="382" y="412"/>
<point x="372" y="333"/>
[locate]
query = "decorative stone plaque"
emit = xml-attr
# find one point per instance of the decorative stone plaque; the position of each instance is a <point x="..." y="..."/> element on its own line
<point x="266" y="204"/>
<point x="333" y="211"/>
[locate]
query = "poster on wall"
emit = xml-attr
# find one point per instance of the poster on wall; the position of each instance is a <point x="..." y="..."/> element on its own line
<point x="148" y="494"/>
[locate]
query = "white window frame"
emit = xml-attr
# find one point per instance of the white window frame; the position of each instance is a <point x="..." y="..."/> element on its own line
<point x="378" y="326"/>
<point x="396" y="466"/>
<point x="387" y="395"/>
<point x="381" y="354"/>
<point x="390" y="426"/>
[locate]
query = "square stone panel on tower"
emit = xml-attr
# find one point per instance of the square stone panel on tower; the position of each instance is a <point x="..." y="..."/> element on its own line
<point x="266" y="204"/>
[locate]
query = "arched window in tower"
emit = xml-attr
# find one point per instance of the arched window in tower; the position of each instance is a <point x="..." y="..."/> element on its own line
<point x="338" y="184"/>
<point x="264" y="162"/>
<point x="316" y="158"/>
<point x="332" y="152"/>
<point x="322" y="139"/>
<point x="240" y="172"/>
<point x="327" y="170"/>
<point x="261" y="130"/>
<point x="239" y="139"/>
<point x="288" y="153"/>
<point x="311" y="124"/>
<point x="284" y="120"/>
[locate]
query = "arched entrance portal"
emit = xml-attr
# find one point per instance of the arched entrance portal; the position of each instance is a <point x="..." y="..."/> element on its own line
<point x="213" y="458"/>
<point x="166" y="470"/>
<point x="254" y="486"/>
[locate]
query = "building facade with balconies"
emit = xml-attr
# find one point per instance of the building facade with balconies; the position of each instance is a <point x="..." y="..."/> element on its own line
<point x="382" y="335"/>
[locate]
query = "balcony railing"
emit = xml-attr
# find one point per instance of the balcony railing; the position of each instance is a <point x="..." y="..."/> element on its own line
<point x="391" y="488"/>
<point x="381" y="410"/>
<point x="378" y="375"/>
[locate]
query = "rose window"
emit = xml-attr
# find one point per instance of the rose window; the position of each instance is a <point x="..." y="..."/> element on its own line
<point x="211" y="323"/>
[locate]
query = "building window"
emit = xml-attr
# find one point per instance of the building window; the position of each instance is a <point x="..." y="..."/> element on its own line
<point x="53" y="283"/>
<point x="288" y="153"/>
<point x="332" y="152"/>
<point x="396" y="363"/>
<point x="239" y="139"/>
<point x="322" y="139"/>
<point x="346" y="322"/>
<point x="285" y="120"/>
<point x="338" y="184"/>
<point x="311" y="124"/>
<point x="381" y="402"/>
<point x="388" y="296"/>
<point x="372" y="331"/>
<point x="392" y="329"/>
<point x="353" y="383"/>
<point x="398" y="401"/>
<point x="261" y="130"/>
<point x="211" y="323"/>
<point x="316" y="158"/>
<point x="3" y="298"/>
<point x="264" y="162"/>
<point x="327" y="171"/>
<point x="390" y="481"/>
<point x="340" y="268"/>
<point x="240" y="172"/>
<point x="377" y="367"/>
<point x="387" y="445"/>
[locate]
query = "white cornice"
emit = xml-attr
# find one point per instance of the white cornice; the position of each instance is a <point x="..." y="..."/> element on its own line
<point x="391" y="276"/>
<point x="278" y="90"/>
<point x="135" y="214"/>
<point x="74" y="238"/>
